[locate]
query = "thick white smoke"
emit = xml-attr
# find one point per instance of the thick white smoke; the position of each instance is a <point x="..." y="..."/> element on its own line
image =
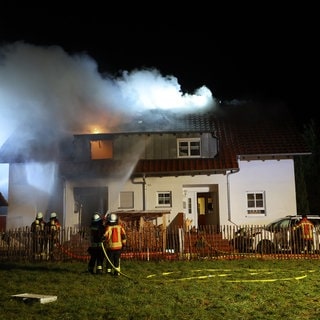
<point x="45" y="88"/>
<point x="47" y="95"/>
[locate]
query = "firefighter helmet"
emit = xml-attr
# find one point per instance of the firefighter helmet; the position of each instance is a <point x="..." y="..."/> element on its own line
<point x="53" y="215"/>
<point x="112" y="218"/>
<point x="39" y="215"/>
<point x="96" y="217"/>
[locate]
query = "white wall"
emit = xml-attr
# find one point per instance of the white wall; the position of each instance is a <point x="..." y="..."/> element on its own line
<point x="274" y="177"/>
<point x="176" y="186"/>
<point x="25" y="199"/>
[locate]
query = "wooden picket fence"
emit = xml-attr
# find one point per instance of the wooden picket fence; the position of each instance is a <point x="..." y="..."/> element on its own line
<point x="149" y="242"/>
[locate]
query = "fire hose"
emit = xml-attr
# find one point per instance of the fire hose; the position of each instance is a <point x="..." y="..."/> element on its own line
<point x="112" y="265"/>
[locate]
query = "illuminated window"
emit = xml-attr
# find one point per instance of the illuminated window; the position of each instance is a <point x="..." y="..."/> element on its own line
<point x="189" y="205"/>
<point x="164" y="198"/>
<point x="126" y="200"/>
<point x="101" y="149"/>
<point x="190" y="147"/>
<point x="256" y="203"/>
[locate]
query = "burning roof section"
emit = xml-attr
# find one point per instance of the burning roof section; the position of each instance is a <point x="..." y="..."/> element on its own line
<point x="244" y="131"/>
<point x="158" y="120"/>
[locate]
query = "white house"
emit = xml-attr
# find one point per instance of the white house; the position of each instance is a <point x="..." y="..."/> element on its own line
<point x="233" y="166"/>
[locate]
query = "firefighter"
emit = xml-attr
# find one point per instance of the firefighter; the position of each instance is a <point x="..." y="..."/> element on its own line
<point x="53" y="232"/>
<point x="304" y="234"/>
<point x="95" y="250"/>
<point x="38" y="236"/>
<point x="115" y="240"/>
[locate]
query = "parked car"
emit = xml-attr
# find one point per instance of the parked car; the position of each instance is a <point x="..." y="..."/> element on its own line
<point x="275" y="237"/>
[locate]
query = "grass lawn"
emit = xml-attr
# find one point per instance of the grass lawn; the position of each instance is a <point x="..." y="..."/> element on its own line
<point x="199" y="290"/>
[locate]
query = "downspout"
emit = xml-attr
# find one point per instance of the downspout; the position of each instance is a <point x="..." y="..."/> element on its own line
<point x="228" y="193"/>
<point x="143" y="184"/>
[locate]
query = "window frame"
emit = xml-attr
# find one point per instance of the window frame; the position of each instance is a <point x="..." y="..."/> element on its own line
<point x="253" y="205"/>
<point x="188" y="148"/>
<point x="129" y="197"/>
<point x="164" y="195"/>
<point x="101" y="149"/>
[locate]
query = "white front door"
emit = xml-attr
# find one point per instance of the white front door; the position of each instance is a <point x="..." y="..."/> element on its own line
<point x="190" y="207"/>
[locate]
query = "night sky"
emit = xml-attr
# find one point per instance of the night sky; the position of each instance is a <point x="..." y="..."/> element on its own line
<point x="267" y="54"/>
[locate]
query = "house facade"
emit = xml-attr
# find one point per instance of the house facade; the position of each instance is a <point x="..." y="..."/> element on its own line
<point x="231" y="167"/>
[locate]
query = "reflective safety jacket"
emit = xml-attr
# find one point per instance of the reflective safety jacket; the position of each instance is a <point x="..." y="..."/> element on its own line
<point x="306" y="228"/>
<point x="53" y="225"/>
<point x="115" y="236"/>
<point x="38" y="225"/>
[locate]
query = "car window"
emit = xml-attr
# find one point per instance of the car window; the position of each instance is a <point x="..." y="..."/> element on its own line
<point x="277" y="225"/>
<point x="284" y="223"/>
<point x="287" y="222"/>
<point x="270" y="226"/>
<point x="294" y="221"/>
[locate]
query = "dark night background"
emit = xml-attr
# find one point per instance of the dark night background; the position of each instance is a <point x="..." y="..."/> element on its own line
<point x="257" y="52"/>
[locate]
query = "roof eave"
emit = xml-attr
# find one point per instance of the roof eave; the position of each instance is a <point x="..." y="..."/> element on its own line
<point x="271" y="156"/>
<point x="183" y="173"/>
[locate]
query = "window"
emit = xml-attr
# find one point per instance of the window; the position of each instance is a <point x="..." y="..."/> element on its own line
<point x="256" y="203"/>
<point x="101" y="149"/>
<point x="189" y="205"/>
<point x="126" y="200"/>
<point x="189" y="147"/>
<point x="164" y="198"/>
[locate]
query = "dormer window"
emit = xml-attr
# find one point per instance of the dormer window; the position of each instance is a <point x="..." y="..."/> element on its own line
<point x="189" y="147"/>
<point x="101" y="149"/>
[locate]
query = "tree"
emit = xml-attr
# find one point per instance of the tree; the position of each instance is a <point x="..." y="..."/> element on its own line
<point x="307" y="170"/>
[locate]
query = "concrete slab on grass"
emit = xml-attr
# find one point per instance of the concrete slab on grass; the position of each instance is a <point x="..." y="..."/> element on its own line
<point x="31" y="297"/>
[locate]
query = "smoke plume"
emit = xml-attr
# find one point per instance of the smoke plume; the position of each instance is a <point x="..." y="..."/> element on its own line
<point x="46" y="90"/>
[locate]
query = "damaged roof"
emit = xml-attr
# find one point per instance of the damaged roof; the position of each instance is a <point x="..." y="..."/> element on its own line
<point x="244" y="132"/>
<point x="154" y="121"/>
